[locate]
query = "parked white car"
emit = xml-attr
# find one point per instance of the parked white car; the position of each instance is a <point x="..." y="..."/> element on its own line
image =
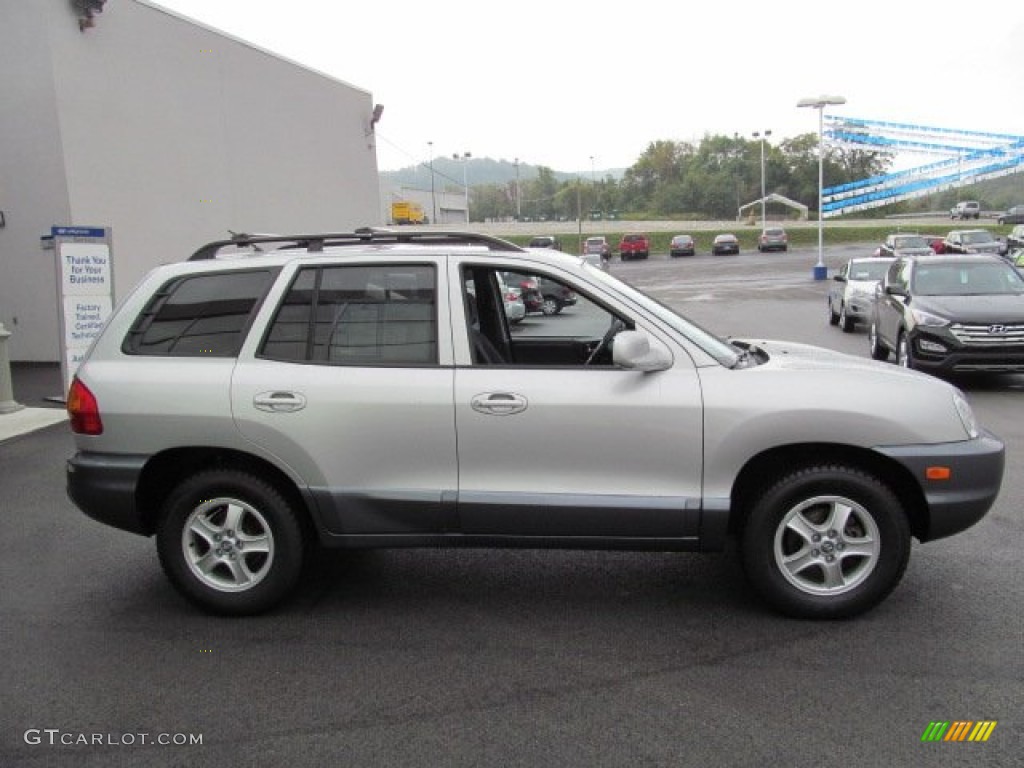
<point x="852" y="293"/>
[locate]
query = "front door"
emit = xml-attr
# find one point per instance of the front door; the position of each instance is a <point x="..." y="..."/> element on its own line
<point x="554" y="444"/>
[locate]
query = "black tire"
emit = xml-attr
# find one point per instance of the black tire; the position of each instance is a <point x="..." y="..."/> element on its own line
<point x="876" y="348"/>
<point x="826" y="542"/>
<point x="845" y="321"/>
<point x="230" y="542"/>
<point x="550" y="306"/>
<point x="833" y="317"/>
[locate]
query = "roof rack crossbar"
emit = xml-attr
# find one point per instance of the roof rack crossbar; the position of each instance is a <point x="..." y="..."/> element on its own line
<point x="315" y="243"/>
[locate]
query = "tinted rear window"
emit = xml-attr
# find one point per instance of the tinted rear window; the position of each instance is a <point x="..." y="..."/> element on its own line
<point x="199" y="315"/>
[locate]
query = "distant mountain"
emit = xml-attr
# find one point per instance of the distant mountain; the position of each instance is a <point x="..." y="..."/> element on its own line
<point x="478" y="171"/>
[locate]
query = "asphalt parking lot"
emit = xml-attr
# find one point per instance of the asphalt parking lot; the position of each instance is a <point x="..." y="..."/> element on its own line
<point x="526" y="658"/>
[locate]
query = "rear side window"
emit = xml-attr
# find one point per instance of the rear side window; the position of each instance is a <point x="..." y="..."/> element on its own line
<point x="357" y="315"/>
<point x="199" y="315"/>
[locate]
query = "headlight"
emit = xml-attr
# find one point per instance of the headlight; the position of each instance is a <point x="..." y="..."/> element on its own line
<point x="966" y="414"/>
<point x="927" y="318"/>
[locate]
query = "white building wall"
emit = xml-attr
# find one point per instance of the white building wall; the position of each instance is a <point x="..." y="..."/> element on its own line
<point x="171" y="134"/>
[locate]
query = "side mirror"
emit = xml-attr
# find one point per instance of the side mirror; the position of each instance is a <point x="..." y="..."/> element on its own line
<point x="896" y="290"/>
<point x="839" y="278"/>
<point x="632" y="350"/>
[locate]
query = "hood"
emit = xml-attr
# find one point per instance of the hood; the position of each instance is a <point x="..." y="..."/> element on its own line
<point x="796" y="356"/>
<point x="1001" y="308"/>
<point x="862" y="286"/>
<point x="923" y="251"/>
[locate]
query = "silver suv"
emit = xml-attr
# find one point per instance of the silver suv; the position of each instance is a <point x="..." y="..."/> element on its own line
<point x="967" y="209"/>
<point x="367" y="390"/>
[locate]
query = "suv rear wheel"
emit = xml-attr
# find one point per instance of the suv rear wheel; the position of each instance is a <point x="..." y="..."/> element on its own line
<point x="230" y="542"/>
<point x="826" y="542"/>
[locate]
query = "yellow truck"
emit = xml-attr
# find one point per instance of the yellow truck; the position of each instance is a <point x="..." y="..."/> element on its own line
<point x="407" y="213"/>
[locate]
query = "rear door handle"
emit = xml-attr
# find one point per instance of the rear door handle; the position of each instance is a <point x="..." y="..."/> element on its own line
<point x="499" y="403"/>
<point x="279" y="401"/>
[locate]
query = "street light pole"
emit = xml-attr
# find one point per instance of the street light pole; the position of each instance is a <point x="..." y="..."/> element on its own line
<point x="819" y="103"/>
<point x="433" y="195"/>
<point x="757" y="135"/>
<point x="519" y="210"/>
<point x="465" y="185"/>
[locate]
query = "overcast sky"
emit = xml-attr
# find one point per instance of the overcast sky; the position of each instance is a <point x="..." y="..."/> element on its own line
<point x="557" y="83"/>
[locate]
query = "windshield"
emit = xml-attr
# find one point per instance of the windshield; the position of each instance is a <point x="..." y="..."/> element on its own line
<point x="868" y="270"/>
<point x="720" y="350"/>
<point x="911" y="242"/>
<point x="967" y="280"/>
<point x="979" y="236"/>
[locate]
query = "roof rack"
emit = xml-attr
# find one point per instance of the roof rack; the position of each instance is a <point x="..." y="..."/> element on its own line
<point x="317" y="242"/>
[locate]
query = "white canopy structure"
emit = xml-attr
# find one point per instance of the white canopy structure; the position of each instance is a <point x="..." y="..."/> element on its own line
<point x="773" y="198"/>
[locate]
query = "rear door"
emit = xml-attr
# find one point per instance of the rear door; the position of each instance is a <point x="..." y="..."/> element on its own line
<point x="350" y="388"/>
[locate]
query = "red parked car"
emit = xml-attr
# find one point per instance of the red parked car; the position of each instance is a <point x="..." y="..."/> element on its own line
<point x="634" y="247"/>
<point x="936" y="242"/>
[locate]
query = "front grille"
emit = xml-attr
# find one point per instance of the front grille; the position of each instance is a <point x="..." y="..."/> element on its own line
<point x="989" y="334"/>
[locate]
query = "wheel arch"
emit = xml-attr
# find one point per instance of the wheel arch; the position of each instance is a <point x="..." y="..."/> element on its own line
<point x="167" y="469"/>
<point x="764" y="469"/>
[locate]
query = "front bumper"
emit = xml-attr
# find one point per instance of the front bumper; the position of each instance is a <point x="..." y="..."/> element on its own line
<point x="961" y="358"/>
<point x="103" y="485"/>
<point x="976" y="474"/>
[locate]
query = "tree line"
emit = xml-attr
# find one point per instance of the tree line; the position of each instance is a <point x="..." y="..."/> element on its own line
<point x="710" y="180"/>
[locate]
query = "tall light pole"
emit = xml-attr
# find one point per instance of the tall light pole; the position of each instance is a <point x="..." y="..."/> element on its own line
<point x="819" y="103"/>
<point x="464" y="157"/>
<point x="762" y="137"/>
<point x="519" y="210"/>
<point x="433" y="195"/>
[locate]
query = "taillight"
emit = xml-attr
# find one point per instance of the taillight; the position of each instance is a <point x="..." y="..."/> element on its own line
<point x="83" y="410"/>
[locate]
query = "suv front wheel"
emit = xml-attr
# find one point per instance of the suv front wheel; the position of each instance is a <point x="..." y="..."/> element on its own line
<point x="230" y="542"/>
<point x="826" y="542"/>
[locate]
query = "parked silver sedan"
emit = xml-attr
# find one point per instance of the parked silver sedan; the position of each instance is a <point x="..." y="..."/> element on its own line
<point x="852" y="293"/>
<point x="515" y="308"/>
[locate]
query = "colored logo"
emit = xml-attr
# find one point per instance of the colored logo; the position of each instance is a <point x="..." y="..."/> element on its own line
<point x="959" y="730"/>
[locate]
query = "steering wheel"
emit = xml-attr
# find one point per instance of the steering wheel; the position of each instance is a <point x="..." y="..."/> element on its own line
<point x="616" y="326"/>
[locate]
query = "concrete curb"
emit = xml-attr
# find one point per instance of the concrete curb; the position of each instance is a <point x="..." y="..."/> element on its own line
<point x="29" y="420"/>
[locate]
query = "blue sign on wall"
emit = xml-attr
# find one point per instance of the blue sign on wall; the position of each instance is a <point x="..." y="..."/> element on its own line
<point x="99" y="232"/>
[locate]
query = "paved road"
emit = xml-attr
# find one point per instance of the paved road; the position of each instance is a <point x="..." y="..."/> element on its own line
<point x="480" y="658"/>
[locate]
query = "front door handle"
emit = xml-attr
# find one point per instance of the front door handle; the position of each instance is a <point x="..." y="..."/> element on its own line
<point x="279" y="401"/>
<point x="499" y="403"/>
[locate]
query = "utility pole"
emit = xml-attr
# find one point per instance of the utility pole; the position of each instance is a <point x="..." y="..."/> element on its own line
<point x="433" y="194"/>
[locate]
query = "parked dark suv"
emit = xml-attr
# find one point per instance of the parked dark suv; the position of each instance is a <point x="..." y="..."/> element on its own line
<point x="962" y="313"/>
<point x="546" y="241"/>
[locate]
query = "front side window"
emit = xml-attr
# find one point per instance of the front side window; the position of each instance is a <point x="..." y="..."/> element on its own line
<point x="357" y="315"/>
<point x="528" y="318"/>
<point x="199" y="315"/>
